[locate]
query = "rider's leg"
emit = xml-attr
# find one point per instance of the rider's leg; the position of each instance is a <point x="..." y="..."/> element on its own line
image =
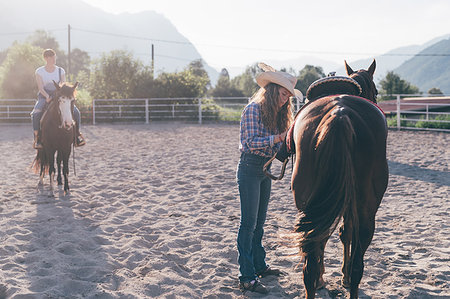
<point x="36" y="116"/>
<point x="79" y="137"/>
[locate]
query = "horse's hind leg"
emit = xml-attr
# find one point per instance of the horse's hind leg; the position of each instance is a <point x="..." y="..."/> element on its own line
<point x="320" y="281"/>
<point x="58" y="163"/>
<point x="51" y="168"/>
<point x="311" y="269"/>
<point x="345" y="234"/>
<point x="366" y="230"/>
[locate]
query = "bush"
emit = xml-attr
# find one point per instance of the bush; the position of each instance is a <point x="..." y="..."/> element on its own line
<point x="435" y="125"/>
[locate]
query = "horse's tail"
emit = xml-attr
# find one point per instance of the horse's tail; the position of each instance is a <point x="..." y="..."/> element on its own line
<point x="333" y="192"/>
<point x="40" y="162"/>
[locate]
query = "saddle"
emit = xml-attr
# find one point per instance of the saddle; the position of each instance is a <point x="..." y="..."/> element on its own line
<point x="327" y="86"/>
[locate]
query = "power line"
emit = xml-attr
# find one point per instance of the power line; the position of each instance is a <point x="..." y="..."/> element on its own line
<point x="260" y="49"/>
<point x="133" y="37"/>
<point x="236" y="47"/>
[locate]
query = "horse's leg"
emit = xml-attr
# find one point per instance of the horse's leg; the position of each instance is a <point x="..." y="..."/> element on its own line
<point x="345" y="234"/>
<point x="51" y="167"/>
<point x="366" y="230"/>
<point x="41" y="174"/>
<point x="320" y="281"/>
<point x="58" y="164"/>
<point x="311" y="269"/>
<point x="66" y="173"/>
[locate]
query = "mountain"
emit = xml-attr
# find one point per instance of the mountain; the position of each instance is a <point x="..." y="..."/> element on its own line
<point x="96" y="31"/>
<point x="429" y="71"/>
<point x="390" y="60"/>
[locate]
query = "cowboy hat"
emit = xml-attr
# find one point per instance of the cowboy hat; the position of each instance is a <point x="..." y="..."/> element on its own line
<point x="284" y="79"/>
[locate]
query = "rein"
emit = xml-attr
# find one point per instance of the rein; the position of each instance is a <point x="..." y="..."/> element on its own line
<point x="283" y="169"/>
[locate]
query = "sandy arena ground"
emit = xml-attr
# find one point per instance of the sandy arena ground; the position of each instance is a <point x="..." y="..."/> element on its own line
<point x="154" y="212"/>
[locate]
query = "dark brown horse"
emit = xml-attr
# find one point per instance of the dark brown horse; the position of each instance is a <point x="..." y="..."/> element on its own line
<point x="340" y="172"/>
<point x="58" y="132"/>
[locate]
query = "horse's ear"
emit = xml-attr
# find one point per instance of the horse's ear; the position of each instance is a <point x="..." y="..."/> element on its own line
<point x="75" y="85"/>
<point x="348" y="68"/>
<point x="56" y="85"/>
<point x="371" y="69"/>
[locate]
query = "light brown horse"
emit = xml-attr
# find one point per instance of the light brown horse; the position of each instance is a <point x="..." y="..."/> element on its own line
<point x="340" y="171"/>
<point x="58" y="132"/>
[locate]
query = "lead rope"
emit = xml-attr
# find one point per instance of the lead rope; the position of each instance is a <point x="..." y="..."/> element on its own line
<point x="73" y="149"/>
<point x="283" y="168"/>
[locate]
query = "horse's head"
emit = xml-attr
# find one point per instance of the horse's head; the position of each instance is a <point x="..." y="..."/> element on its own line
<point x="64" y="99"/>
<point x="365" y="80"/>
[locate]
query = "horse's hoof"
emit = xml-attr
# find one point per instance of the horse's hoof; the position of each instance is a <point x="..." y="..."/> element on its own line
<point x="346" y="283"/>
<point x="320" y="284"/>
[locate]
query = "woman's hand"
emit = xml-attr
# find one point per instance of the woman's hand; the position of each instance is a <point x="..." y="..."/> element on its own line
<point x="280" y="137"/>
<point x="48" y="99"/>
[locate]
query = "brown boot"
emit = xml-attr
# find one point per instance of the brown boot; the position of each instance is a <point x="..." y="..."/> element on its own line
<point x="37" y="142"/>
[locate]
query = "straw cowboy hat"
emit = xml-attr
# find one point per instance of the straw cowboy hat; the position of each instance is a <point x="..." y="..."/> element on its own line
<point x="270" y="75"/>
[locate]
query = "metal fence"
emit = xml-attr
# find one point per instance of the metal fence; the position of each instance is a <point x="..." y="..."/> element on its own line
<point x="16" y="111"/>
<point x="429" y="113"/>
<point x="225" y="109"/>
<point x="193" y="109"/>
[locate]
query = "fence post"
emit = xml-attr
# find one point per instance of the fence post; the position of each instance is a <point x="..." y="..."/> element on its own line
<point x="398" y="112"/>
<point x="7" y="111"/>
<point x="200" y="111"/>
<point x="93" y="111"/>
<point x="427" y="118"/>
<point x="146" y="111"/>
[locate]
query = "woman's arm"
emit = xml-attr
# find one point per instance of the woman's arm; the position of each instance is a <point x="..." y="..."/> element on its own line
<point x="40" y="85"/>
<point x="251" y="130"/>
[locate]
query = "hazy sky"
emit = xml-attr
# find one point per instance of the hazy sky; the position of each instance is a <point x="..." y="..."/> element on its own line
<point x="238" y="32"/>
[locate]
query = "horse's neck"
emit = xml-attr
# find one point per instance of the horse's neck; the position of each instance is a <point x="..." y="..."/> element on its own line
<point x="365" y="82"/>
<point x="50" y="116"/>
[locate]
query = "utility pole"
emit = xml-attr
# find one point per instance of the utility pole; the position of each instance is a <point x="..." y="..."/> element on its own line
<point x="68" y="52"/>
<point x="153" y="61"/>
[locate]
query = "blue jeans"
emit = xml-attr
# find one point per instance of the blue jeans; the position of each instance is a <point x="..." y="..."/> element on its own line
<point x="38" y="111"/>
<point x="254" y="192"/>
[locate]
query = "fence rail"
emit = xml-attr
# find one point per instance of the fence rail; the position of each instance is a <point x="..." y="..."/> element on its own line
<point x="407" y="112"/>
<point x="17" y="110"/>
<point x="410" y="112"/>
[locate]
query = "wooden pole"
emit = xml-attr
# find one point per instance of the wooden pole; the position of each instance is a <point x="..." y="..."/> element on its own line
<point x="68" y="52"/>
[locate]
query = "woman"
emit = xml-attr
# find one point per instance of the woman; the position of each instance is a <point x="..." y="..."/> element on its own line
<point x="264" y="123"/>
<point x="45" y="75"/>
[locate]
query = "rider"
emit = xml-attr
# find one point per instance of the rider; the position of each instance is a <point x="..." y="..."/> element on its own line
<point x="45" y="75"/>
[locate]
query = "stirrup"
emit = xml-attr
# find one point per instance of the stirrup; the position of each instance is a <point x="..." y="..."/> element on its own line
<point x="37" y="145"/>
<point x="80" y="141"/>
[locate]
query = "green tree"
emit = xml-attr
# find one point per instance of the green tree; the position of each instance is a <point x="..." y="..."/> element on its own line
<point x="17" y="79"/>
<point x="193" y="81"/>
<point x="224" y="88"/>
<point x="79" y="61"/>
<point x="307" y="76"/>
<point x="246" y="82"/>
<point x="393" y="84"/>
<point x="44" y="40"/>
<point x="435" y="91"/>
<point x="114" y="76"/>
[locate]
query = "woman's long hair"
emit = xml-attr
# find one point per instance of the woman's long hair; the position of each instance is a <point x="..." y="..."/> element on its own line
<point x="274" y="118"/>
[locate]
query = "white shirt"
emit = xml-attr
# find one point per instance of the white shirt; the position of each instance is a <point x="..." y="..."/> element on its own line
<point x="47" y="78"/>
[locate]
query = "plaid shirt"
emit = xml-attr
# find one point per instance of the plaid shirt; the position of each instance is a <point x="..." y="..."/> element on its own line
<point x="255" y="138"/>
